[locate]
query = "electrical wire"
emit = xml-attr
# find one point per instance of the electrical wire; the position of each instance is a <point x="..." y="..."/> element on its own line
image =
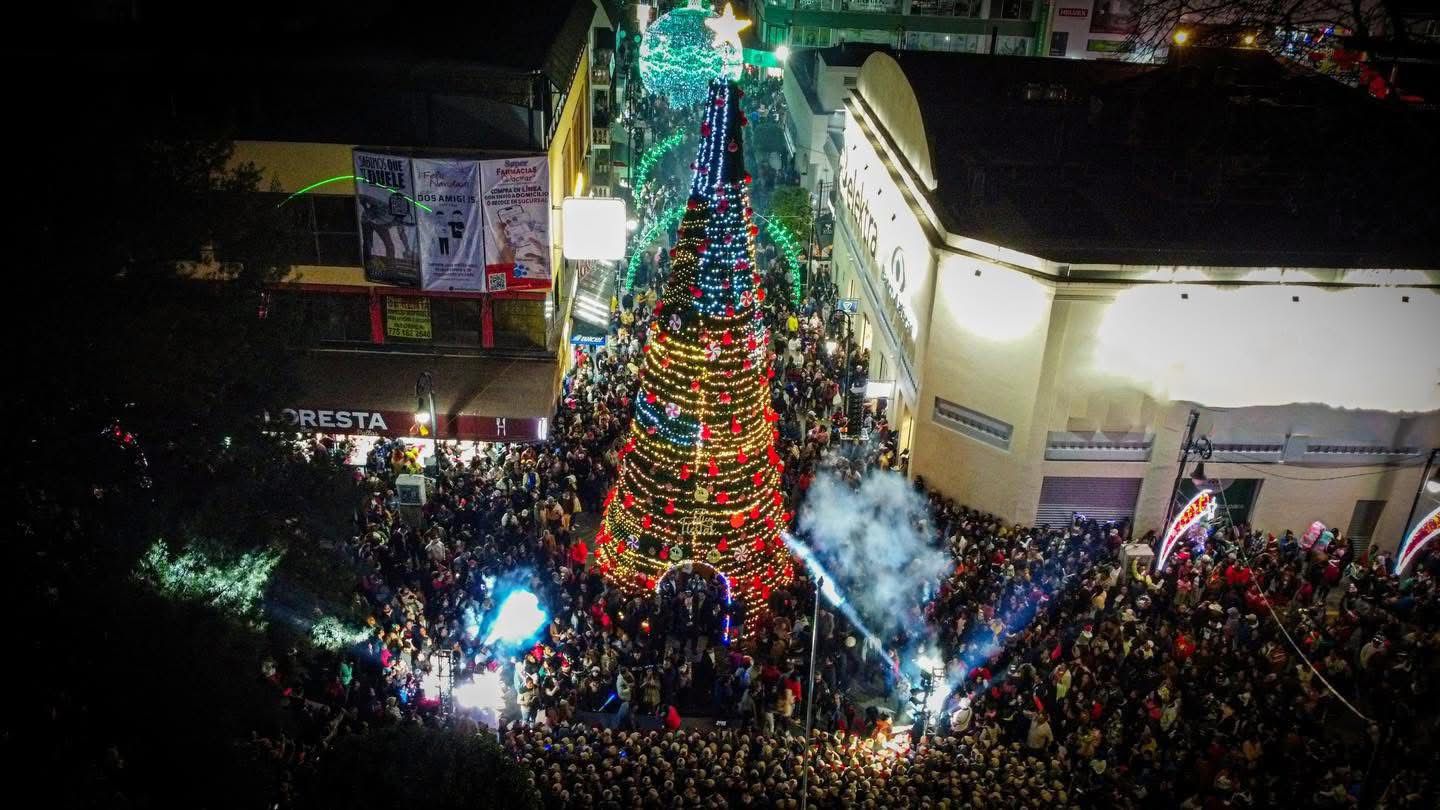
<point x="1306" y="659"/>
<point x="1271" y="474"/>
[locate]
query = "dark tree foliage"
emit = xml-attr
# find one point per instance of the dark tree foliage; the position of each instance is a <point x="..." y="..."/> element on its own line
<point x="791" y="206"/>
<point x="140" y="371"/>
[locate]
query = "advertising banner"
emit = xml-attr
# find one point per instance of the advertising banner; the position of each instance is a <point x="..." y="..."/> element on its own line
<point x="389" y="245"/>
<point x="452" y="255"/>
<point x="407" y="318"/>
<point x="516" y="196"/>
<point x="1115" y="17"/>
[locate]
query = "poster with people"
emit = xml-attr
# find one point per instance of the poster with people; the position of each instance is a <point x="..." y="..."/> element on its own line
<point x="516" y="198"/>
<point x="384" y="196"/>
<point x="452" y="256"/>
<point x="1115" y="17"/>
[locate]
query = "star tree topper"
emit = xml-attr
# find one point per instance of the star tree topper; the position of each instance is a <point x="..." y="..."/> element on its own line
<point x="727" y="28"/>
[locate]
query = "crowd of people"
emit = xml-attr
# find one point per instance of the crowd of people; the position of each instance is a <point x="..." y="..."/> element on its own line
<point x="1258" y="669"/>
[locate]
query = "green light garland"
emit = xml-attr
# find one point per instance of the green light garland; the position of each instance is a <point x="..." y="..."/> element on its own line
<point x="652" y="156"/>
<point x="789" y="246"/>
<point x="678" y="57"/>
<point x="669" y="219"/>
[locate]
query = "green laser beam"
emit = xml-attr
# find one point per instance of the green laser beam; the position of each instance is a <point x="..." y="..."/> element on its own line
<point x="340" y="177"/>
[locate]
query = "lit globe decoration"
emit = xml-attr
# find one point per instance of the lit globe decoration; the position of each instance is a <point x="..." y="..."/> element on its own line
<point x="685" y="49"/>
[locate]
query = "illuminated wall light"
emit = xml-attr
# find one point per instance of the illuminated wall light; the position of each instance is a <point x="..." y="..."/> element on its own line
<point x="1001" y="305"/>
<point x="1181" y="37"/>
<point x="1145" y="339"/>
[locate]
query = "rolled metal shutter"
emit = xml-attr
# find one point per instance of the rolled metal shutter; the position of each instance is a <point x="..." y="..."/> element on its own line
<point x="1104" y="499"/>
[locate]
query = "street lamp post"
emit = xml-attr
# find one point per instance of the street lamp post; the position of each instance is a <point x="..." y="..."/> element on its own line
<point x="1425" y="484"/>
<point x="845" y="358"/>
<point x="425" y="412"/>
<point x="1201" y="448"/>
<point x="810" y="698"/>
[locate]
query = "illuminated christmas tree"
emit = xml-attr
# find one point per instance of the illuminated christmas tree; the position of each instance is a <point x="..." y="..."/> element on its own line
<point x="699" y="474"/>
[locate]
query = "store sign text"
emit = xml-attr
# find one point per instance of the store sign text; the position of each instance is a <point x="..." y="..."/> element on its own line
<point x="890" y="269"/>
<point x="341" y="420"/>
<point x="1200" y="507"/>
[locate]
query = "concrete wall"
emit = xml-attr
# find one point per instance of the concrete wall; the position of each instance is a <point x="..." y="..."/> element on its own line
<point x="1023" y="351"/>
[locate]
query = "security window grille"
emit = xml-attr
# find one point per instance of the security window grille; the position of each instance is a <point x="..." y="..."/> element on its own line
<point x="1017" y="9"/>
<point x="1102" y="499"/>
<point x="946" y="8"/>
<point x="1364" y="519"/>
<point x="972" y="423"/>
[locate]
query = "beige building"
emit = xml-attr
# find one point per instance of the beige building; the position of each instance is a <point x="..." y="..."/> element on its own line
<point x="1051" y="292"/>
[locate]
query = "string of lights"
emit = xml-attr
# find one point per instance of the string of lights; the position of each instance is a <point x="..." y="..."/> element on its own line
<point x="670" y="218"/>
<point x="699" y="474"/>
<point x="790" y="249"/>
<point x="652" y="156"/>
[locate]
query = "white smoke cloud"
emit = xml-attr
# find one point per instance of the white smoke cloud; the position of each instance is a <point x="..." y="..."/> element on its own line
<point x="876" y="540"/>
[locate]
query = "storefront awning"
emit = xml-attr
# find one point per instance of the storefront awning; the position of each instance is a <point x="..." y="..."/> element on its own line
<point x="476" y="398"/>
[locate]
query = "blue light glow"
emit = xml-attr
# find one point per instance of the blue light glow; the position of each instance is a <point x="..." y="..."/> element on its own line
<point x="519" y="620"/>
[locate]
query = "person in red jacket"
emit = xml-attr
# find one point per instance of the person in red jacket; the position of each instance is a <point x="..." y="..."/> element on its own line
<point x="672" y="718"/>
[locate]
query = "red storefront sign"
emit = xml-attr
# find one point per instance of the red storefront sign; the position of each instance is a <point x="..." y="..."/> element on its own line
<point x="466" y="427"/>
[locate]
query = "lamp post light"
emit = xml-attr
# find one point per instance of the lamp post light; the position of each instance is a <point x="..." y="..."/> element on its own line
<point x="810" y="698"/>
<point x="1202" y="449"/>
<point x="845" y="358"/>
<point x="1428" y="484"/>
<point x="425" y="412"/>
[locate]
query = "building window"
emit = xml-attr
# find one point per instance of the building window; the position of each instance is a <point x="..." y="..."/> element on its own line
<point x="1059" y="41"/>
<point x="337" y="243"/>
<point x="946" y="8"/>
<point x="809" y="36"/>
<point x="322" y="230"/>
<point x="332" y="318"/>
<point x="456" y="321"/>
<point x="851" y="81"/>
<point x="871" y="6"/>
<point x="518" y="323"/>
<point x="934" y="41"/>
<point x="1012" y="46"/>
<point x="1017" y="9"/>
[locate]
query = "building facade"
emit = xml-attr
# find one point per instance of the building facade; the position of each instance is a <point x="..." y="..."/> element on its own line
<point x="1077" y="29"/>
<point x="1045" y="339"/>
<point x="535" y="91"/>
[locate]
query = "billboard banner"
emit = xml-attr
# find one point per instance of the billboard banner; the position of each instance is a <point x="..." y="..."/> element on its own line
<point x="407" y="318"/>
<point x="384" y="197"/>
<point x="516" y="198"/>
<point x="452" y="256"/>
<point x="1115" y="17"/>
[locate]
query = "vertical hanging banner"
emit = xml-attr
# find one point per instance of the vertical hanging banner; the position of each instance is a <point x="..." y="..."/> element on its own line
<point x="384" y="194"/>
<point x="516" y="196"/>
<point x="452" y="256"/>
<point x="1425" y="531"/>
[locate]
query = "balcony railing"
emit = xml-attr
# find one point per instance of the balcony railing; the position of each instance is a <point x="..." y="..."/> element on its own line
<point x="600" y="136"/>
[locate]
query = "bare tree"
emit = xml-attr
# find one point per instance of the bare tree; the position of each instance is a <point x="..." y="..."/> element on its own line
<point x="1293" y="27"/>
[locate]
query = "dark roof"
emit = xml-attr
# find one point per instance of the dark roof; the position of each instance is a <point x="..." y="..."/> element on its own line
<point x="1225" y="158"/>
<point x="544" y="35"/>
<point x="851" y="54"/>
<point x="484" y="386"/>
